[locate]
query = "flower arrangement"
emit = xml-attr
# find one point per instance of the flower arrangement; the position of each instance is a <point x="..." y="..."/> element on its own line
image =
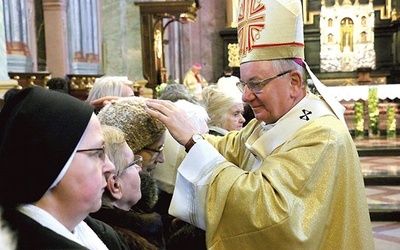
<point x="373" y="111"/>
<point x="391" y="122"/>
<point x="160" y="89"/>
<point x="359" y="120"/>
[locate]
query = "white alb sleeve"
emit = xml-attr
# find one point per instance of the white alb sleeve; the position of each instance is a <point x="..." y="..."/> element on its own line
<point x="189" y="199"/>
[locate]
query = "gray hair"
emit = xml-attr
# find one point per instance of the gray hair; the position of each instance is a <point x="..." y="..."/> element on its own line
<point x="108" y="86"/>
<point x="197" y="114"/>
<point x="286" y="64"/>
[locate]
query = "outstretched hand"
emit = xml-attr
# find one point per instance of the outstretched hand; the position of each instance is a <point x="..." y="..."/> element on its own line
<point x="174" y="118"/>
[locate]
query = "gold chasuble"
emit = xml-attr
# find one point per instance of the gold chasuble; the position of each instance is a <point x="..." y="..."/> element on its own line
<point x="307" y="194"/>
<point x="304" y="192"/>
<point x="295" y="184"/>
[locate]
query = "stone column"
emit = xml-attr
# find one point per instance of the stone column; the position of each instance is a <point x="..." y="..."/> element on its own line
<point x="232" y="13"/>
<point x="55" y="19"/>
<point x="5" y="82"/>
<point x="76" y="32"/>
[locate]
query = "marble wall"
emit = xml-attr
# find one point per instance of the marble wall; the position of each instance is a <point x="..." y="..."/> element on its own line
<point x="193" y="42"/>
<point x="202" y="42"/>
<point x="121" y="41"/>
<point x="5" y="82"/>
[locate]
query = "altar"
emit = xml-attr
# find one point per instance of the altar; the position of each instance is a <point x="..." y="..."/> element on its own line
<point x="387" y="92"/>
<point x="387" y="95"/>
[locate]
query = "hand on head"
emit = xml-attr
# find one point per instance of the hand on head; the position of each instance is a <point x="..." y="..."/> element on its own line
<point x="101" y="102"/>
<point x="174" y="118"/>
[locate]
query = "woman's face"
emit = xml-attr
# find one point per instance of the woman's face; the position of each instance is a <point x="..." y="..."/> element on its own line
<point x="234" y="118"/>
<point x="129" y="180"/>
<point x="152" y="154"/>
<point x="83" y="184"/>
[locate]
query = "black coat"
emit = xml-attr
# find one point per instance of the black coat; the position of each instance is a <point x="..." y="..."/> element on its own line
<point x="178" y="234"/>
<point x="32" y="235"/>
<point x="140" y="230"/>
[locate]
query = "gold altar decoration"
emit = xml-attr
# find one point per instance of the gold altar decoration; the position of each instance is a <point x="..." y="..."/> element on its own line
<point x="233" y="55"/>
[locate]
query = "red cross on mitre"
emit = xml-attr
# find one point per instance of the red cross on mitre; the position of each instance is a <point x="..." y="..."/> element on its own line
<point x="251" y="22"/>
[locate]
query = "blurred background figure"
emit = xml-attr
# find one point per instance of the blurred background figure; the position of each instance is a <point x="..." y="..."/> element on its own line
<point x="194" y="81"/>
<point x="140" y="91"/>
<point x="9" y="95"/>
<point x="58" y="84"/>
<point x="227" y="82"/>
<point x="110" y="86"/>
<point x="175" y="92"/>
<point x="225" y="111"/>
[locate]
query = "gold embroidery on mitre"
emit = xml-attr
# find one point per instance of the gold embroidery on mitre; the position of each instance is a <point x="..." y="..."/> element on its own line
<point x="251" y="22"/>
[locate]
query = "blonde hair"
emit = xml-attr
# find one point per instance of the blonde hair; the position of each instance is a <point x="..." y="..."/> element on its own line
<point x="218" y="103"/>
<point x="114" y="140"/>
<point x="108" y="86"/>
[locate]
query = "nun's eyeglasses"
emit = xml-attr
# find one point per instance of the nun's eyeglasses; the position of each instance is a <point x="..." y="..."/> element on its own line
<point x="257" y="86"/>
<point x="100" y="152"/>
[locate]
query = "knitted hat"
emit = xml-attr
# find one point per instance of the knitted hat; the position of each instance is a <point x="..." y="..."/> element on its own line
<point x="270" y="29"/>
<point x="129" y="114"/>
<point x="39" y="131"/>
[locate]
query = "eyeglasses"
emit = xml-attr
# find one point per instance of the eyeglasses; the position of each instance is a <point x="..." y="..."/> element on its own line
<point x="101" y="154"/>
<point x="156" y="151"/>
<point x="137" y="161"/>
<point x="257" y="86"/>
<point x="159" y="150"/>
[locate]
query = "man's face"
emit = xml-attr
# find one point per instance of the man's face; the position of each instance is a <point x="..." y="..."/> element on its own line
<point x="275" y="99"/>
<point x="196" y="70"/>
<point x="152" y="154"/>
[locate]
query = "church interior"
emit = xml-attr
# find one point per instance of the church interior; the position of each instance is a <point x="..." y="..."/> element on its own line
<point x="352" y="46"/>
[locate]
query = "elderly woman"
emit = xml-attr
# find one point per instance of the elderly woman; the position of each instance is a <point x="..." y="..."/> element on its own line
<point x="225" y="110"/>
<point x="145" y="135"/>
<point x="141" y="231"/>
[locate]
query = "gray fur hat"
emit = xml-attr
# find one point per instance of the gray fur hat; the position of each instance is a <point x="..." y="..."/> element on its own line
<point x="129" y="114"/>
<point x="176" y="91"/>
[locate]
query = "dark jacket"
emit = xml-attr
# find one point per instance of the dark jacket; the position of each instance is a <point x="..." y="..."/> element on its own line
<point x="178" y="234"/>
<point x="140" y="230"/>
<point x="32" y="235"/>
